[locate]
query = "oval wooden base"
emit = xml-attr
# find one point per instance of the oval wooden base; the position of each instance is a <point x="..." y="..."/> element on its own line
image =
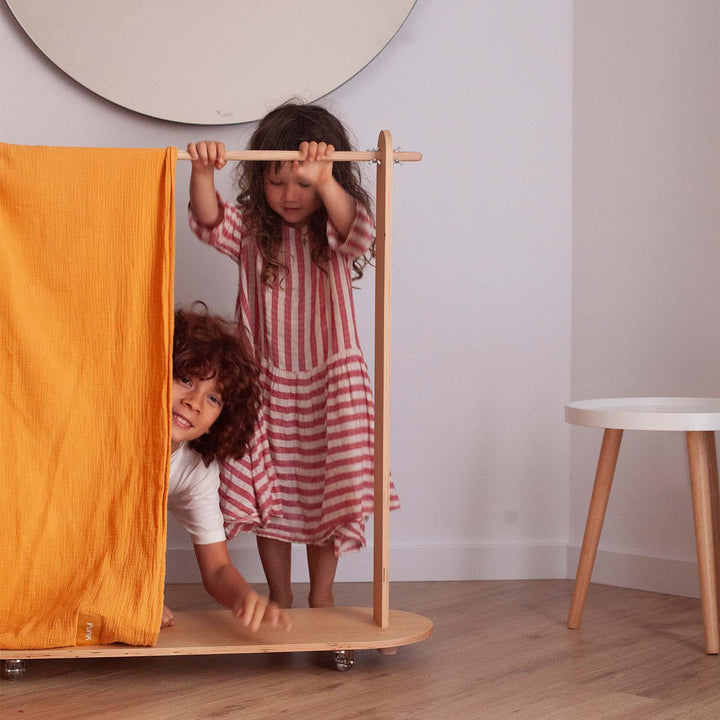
<point x="215" y="632"/>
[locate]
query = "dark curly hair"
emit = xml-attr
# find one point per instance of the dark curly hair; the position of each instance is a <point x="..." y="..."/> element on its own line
<point x="206" y="346"/>
<point x="284" y="128"/>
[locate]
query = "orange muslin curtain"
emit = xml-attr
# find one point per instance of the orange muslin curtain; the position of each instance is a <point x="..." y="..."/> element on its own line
<point x="86" y="271"/>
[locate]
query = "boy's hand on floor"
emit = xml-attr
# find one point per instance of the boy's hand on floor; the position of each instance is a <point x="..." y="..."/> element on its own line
<point x="168" y="618"/>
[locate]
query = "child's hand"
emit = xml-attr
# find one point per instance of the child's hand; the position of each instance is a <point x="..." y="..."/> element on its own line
<point x="168" y="618"/>
<point x="253" y="609"/>
<point x="207" y="154"/>
<point x="312" y="168"/>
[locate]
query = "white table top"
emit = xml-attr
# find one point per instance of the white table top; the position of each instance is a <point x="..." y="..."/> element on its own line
<point x="646" y="413"/>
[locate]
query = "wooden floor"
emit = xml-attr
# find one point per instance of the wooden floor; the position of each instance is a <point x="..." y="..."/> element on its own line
<point x="500" y="650"/>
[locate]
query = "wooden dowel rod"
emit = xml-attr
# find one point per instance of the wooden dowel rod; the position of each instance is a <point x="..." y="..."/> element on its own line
<point x="282" y="155"/>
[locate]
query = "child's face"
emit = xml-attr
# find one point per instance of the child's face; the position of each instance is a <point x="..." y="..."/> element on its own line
<point x="196" y="406"/>
<point x="293" y="199"/>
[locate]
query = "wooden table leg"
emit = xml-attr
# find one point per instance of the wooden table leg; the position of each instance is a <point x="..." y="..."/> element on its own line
<point x="701" y="468"/>
<point x="596" y="514"/>
<point x="711" y="450"/>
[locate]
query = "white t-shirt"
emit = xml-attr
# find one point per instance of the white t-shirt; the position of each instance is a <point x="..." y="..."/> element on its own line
<point x="193" y="496"/>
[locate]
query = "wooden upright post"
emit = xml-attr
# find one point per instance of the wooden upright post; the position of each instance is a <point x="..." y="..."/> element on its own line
<point x="383" y="265"/>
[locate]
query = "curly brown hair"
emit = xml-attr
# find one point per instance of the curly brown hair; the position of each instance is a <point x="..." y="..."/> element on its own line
<point x="206" y="346"/>
<point x="284" y="128"/>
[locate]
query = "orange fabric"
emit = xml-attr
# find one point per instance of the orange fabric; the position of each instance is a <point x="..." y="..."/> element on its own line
<point x="86" y="263"/>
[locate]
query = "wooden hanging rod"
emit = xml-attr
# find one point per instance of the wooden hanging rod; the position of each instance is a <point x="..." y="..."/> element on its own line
<point x="282" y="155"/>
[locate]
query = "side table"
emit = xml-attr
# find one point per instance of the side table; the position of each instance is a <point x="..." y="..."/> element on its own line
<point x="698" y="418"/>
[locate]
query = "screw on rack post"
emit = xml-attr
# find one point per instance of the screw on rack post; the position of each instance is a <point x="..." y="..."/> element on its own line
<point x="374" y="161"/>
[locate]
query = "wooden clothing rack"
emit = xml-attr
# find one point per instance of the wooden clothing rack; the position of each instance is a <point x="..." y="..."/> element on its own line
<point x="338" y="629"/>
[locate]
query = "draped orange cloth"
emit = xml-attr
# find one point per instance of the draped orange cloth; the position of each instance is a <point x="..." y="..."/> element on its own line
<point x="86" y="282"/>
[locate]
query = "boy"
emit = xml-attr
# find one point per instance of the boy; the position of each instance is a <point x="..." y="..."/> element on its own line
<point x="214" y="410"/>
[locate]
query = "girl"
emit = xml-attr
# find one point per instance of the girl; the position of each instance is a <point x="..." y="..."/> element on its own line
<point x="214" y="408"/>
<point x="300" y="232"/>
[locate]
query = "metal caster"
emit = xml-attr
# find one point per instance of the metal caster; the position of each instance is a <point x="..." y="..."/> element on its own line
<point x="343" y="659"/>
<point x="14" y="669"/>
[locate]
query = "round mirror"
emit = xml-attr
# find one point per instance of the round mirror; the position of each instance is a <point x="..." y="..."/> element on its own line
<point x="210" y="63"/>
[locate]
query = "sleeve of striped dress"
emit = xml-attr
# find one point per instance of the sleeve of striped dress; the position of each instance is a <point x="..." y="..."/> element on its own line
<point x="227" y="236"/>
<point x="360" y="236"/>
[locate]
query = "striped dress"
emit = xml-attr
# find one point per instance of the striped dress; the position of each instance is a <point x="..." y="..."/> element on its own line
<point x="308" y="473"/>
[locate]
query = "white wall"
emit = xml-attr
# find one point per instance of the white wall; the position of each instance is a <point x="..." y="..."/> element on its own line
<point x="646" y="296"/>
<point x="481" y="263"/>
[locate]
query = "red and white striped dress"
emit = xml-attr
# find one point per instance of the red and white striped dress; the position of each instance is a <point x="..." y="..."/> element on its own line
<point x="308" y="474"/>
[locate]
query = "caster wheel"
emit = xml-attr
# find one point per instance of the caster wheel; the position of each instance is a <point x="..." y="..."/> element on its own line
<point x="14" y="669"/>
<point x="343" y="659"/>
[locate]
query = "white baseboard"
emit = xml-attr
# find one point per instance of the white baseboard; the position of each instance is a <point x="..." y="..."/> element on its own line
<point x="473" y="562"/>
<point x="407" y="563"/>
<point x="640" y="572"/>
